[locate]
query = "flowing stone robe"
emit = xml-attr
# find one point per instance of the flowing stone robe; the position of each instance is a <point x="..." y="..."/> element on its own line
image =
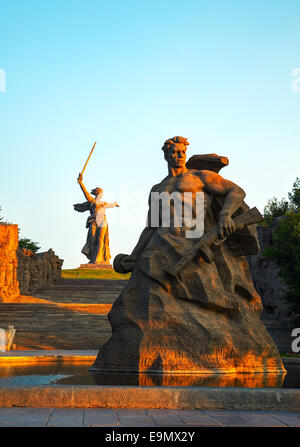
<point x="207" y="320"/>
<point x="93" y="249"/>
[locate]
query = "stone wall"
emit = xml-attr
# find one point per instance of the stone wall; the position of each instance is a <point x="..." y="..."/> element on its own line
<point x="276" y="313"/>
<point x="22" y="271"/>
<point x="37" y="270"/>
<point x="9" y="285"/>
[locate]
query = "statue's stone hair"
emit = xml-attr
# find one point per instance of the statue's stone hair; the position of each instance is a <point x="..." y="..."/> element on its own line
<point x="170" y="143"/>
<point x="96" y="191"/>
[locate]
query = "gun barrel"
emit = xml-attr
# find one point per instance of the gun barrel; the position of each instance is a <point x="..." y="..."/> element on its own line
<point x="247" y="218"/>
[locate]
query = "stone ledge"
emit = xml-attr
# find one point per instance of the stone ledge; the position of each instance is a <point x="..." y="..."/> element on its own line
<point x="203" y="398"/>
<point x="96" y="266"/>
<point x="62" y="355"/>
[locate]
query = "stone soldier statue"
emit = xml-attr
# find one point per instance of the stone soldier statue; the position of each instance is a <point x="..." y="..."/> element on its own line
<point x="205" y="319"/>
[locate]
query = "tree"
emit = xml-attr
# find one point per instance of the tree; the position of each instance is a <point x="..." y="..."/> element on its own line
<point x="294" y="196"/>
<point x="273" y="209"/>
<point x="285" y="247"/>
<point x="29" y="244"/>
<point x="285" y="252"/>
<point x="276" y="208"/>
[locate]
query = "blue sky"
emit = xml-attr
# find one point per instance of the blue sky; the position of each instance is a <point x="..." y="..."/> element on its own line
<point x="130" y="75"/>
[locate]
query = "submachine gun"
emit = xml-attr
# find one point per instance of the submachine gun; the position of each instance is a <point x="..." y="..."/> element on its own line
<point x="201" y="248"/>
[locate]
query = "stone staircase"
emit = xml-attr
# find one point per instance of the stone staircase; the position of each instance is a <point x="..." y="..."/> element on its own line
<point x="70" y="315"/>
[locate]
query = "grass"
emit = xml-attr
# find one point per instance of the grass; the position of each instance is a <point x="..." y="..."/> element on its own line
<point x="93" y="274"/>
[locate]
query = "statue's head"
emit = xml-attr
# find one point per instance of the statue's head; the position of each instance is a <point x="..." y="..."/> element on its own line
<point x="97" y="191"/>
<point x="175" y="151"/>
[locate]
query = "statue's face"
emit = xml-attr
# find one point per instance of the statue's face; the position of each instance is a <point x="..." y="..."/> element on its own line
<point x="176" y="156"/>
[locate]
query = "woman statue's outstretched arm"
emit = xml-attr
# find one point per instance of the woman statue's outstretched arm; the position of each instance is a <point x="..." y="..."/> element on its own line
<point x="111" y="205"/>
<point x="84" y="190"/>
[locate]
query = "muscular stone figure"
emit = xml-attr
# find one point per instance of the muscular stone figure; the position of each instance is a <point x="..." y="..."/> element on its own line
<point x="206" y="319"/>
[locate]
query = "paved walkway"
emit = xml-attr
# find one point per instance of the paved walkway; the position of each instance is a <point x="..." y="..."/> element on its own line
<point x="77" y="417"/>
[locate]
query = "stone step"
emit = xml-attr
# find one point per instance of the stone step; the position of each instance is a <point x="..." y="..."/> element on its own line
<point x="87" y="283"/>
<point x="82" y="291"/>
<point x="77" y="298"/>
<point x="40" y="326"/>
<point x="74" y="318"/>
<point x="61" y="340"/>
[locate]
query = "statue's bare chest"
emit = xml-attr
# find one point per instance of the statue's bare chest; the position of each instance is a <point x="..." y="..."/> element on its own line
<point x="183" y="183"/>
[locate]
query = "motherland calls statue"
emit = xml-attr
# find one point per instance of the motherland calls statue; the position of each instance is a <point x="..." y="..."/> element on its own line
<point x="96" y="248"/>
<point x="197" y="316"/>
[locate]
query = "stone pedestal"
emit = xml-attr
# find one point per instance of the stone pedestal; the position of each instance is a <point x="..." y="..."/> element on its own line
<point x="96" y="266"/>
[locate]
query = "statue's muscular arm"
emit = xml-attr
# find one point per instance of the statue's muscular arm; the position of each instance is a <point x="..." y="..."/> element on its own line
<point x="216" y="185"/>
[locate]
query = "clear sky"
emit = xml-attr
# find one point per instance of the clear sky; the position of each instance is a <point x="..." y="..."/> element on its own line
<point x="131" y="74"/>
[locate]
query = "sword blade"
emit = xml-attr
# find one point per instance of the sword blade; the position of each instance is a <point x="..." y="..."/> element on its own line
<point x="88" y="158"/>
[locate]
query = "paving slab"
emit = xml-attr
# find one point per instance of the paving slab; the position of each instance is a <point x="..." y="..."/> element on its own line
<point x="61" y="417"/>
<point x="29" y="416"/>
<point x="290" y="419"/>
<point x="228" y="420"/>
<point x="100" y="417"/>
<point x="131" y="413"/>
<point x="199" y="418"/>
<point x="187" y="417"/>
<point x="168" y="420"/>
<point x="101" y="412"/>
<point x="137" y="421"/>
<point x="246" y="418"/>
